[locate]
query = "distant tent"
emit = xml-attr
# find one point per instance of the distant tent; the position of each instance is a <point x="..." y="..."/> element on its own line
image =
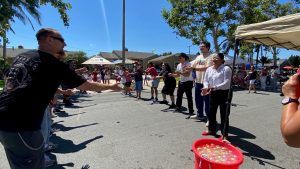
<point x="97" y="60"/>
<point x="127" y="61"/>
<point x="229" y="60"/>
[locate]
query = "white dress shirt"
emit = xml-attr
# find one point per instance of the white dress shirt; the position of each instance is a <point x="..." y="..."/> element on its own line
<point x="218" y="79"/>
<point x="180" y="68"/>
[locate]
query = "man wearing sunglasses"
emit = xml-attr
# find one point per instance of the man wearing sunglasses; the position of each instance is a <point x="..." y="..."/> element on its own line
<point x="31" y="83"/>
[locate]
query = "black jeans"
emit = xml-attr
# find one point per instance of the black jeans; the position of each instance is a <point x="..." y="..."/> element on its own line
<point x="185" y="87"/>
<point x="219" y="98"/>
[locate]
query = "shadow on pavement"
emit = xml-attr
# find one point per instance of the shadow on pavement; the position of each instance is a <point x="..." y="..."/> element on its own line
<point x="60" y="166"/>
<point x="65" y="114"/>
<point x="241" y="133"/>
<point x="183" y="110"/>
<point x="262" y="162"/>
<point x="75" y="106"/>
<point x="249" y="149"/>
<point x="61" y="127"/>
<point x="68" y="146"/>
<point x="235" y="105"/>
<point x="262" y="93"/>
<point x="83" y="100"/>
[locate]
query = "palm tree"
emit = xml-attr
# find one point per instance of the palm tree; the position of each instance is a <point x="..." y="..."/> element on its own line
<point x="263" y="60"/>
<point x="17" y="9"/>
<point x="31" y="8"/>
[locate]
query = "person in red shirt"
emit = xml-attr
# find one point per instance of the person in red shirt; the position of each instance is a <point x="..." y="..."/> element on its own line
<point x="155" y="82"/>
<point x="94" y="75"/>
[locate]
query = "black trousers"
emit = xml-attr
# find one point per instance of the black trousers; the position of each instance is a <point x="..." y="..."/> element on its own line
<point x="219" y="98"/>
<point x="185" y="87"/>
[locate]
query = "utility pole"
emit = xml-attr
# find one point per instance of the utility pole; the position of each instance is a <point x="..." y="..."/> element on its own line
<point x="189" y="49"/>
<point x="123" y="35"/>
<point x="4" y="46"/>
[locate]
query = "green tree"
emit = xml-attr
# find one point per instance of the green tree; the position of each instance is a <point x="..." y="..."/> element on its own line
<point x="273" y="9"/>
<point x="166" y="53"/>
<point x="294" y="60"/>
<point x="196" y="20"/>
<point x="263" y="60"/>
<point x="14" y="9"/>
<point x="79" y="57"/>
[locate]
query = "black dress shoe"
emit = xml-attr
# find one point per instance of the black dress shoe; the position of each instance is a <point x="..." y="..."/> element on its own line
<point x="163" y="102"/>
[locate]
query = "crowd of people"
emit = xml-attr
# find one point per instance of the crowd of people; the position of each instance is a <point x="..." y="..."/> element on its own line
<point x="266" y="79"/>
<point x="25" y="124"/>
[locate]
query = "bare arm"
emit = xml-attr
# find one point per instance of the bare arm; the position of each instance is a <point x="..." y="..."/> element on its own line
<point x="66" y="92"/>
<point x="159" y="77"/>
<point x="290" y="116"/>
<point x="95" y="86"/>
<point x="81" y="70"/>
<point x="175" y="74"/>
<point x="200" y="69"/>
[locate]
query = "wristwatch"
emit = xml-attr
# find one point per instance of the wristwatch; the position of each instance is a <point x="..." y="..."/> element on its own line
<point x="286" y="100"/>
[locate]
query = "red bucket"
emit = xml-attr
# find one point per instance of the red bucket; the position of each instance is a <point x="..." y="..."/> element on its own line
<point x="203" y="162"/>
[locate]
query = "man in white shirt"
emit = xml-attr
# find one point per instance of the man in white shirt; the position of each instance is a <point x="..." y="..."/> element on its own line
<point x="185" y="84"/>
<point x="200" y="64"/>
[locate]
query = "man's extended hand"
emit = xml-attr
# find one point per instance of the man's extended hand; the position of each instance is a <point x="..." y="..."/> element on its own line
<point x="68" y="92"/>
<point x="81" y="70"/>
<point x="115" y="87"/>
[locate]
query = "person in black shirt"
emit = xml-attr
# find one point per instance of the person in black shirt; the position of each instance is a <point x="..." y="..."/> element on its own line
<point x="170" y="85"/>
<point x="31" y="83"/>
<point x="252" y="76"/>
<point x="138" y="78"/>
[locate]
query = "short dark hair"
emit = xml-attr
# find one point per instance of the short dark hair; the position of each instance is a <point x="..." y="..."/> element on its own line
<point x="44" y="32"/>
<point x="207" y="44"/>
<point x="185" y="56"/>
<point x="151" y="64"/>
<point x="221" y="56"/>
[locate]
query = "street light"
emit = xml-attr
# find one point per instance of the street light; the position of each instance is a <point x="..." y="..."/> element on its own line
<point x="123" y="35"/>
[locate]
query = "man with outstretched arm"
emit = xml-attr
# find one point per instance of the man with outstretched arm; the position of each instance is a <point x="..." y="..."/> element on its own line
<point x="31" y="83"/>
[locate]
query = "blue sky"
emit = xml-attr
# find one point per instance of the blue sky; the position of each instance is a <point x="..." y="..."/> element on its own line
<point x="96" y="27"/>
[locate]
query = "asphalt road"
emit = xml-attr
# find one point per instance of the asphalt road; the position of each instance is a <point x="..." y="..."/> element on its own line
<point x="111" y="131"/>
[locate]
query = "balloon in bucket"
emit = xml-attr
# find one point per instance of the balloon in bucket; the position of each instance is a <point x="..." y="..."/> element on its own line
<point x="216" y="154"/>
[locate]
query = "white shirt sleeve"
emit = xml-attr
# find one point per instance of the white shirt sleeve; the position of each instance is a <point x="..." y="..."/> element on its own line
<point x="178" y="68"/>
<point x="205" y="81"/>
<point x="194" y="63"/>
<point x="227" y="78"/>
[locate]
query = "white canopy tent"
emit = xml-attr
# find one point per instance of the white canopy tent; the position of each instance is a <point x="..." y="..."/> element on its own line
<point x="283" y="32"/>
<point x="97" y="60"/>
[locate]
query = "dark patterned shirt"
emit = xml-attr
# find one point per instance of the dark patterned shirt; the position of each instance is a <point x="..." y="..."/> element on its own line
<point x="31" y="83"/>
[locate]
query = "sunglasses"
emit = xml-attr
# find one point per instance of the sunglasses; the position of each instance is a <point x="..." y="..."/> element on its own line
<point x="58" y="38"/>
